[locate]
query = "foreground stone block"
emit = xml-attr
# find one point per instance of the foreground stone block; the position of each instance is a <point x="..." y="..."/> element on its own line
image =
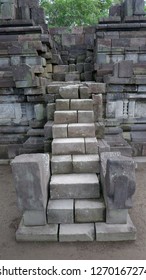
<point x="66" y="186"/>
<point x="89" y="210"/>
<point x="60" y="211"/>
<point x="76" y="232"/>
<point x="31" y="175"/>
<point x="37" y="233"/>
<point x="105" y="232"/>
<point x="61" y="164"/>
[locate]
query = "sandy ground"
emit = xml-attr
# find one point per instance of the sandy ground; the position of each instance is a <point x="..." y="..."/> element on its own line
<point x="10" y="217"/>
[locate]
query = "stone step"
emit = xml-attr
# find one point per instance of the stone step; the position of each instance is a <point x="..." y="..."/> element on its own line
<point x="77" y="232"/>
<point x="60" y="211"/>
<point x="74" y="104"/>
<point x="65" y="164"/>
<point x="65" y="117"/>
<point x="81" y="130"/>
<point x="68" y="146"/>
<point x="69" y="186"/>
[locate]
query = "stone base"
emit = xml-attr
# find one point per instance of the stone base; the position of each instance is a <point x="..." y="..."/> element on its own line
<point x="77" y="232"/>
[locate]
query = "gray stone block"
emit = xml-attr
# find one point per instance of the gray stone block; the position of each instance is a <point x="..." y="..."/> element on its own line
<point x="68" y="146"/>
<point x="60" y="131"/>
<point x="50" y="111"/>
<point x="89" y="210"/>
<point x="85" y="163"/>
<point x="37" y="233"/>
<point x="31" y="175"/>
<point x="74" y="76"/>
<point x="62" y="104"/>
<point x="61" y="117"/>
<point x="66" y="186"/>
<point x="105" y="232"/>
<point x="84" y="92"/>
<point x="91" y="145"/>
<point x="82" y="104"/>
<point x="69" y="92"/>
<point x="60" y="211"/>
<point x="34" y="218"/>
<point x="39" y="112"/>
<point x="103" y="146"/>
<point x="85" y="117"/>
<point x="77" y="232"/>
<point x="61" y="164"/>
<point x="116" y="216"/>
<point x="125" y="69"/>
<point x="48" y="130"/>
<point x="81" y="130"/>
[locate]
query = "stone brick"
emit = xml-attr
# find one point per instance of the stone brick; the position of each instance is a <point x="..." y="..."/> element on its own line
<point x="38" y="233"/>
<point x="65" y="117"/>
<point x="81" y="130"/>
<point x="85" y="117"/>
<point x="60" y="68"/>
<point x="118" y="216"/>
<point x="48" y="130"/>
<point x="84" y="92"/>
<point x="60" y="131"/>
<point x="125" y="69"/>
<point x="60" y="211"/>
<point x="50" y="111"/>
<point x="91" y="146"/>
<point x="103" y="146"/>
<point x="62" y="104"/>
<point x="39" y="112"/>
<point x="31" y="174"/>
<point x="34" y="218"/>
<point x="61" y="164"/>
<point x="66" y="186"/>
<point x="98" y="106"/>
<point x="76" y="232"/>
<point x="106" y="232"/>
<point x="86" y="163"/>
<point x="69" y="92"/>
<point x="89" y="210"/>
<point x="74" y="76"/>
<point x="82" y="104"/>
<point x="68" y="146"/>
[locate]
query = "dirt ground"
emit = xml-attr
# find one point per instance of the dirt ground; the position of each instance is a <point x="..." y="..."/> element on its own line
<point x="10" y="217"/>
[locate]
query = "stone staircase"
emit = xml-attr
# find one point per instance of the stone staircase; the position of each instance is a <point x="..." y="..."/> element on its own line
<point x="74" y="187"/>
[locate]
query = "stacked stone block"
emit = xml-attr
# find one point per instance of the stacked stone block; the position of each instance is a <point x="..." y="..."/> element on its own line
<point x="120" y="63"/>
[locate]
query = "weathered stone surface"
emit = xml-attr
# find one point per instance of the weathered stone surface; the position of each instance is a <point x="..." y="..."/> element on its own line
<point x="50" y="111"/>
<point x="85" y="163"/>
<point x="48" y="130"/>
<point x="66" y="186"/>
<point x="118" y="179"/>
<point x="81" y="130"/>
<point x="68" y="146"/>
<point x="60" y="211"/>
<point x="60" y="68"/>
<point x="116" y="216"/>
<point x="39" y="112"/>
<point x="103" y="146"/>
<point x="62" y="104"/>
<point x="65" y="117"/>
<point x="61" y="164"/>
<point x="60" y="131"/>
<point x="85" y="117"/>
<point x="91" y="145"/>
<point x="37" y="233"/>
<point x="31" y="174"/>
<point x="105" y="232"/>
<point x="69" y="92"/>
<point x="34" y="218"/>
<point x="82" y="104"/>
<point x="76" y="232"/>
<point x="98" y="106"/>
<point x="126" y="69"/>
<point x="89" y="210"/>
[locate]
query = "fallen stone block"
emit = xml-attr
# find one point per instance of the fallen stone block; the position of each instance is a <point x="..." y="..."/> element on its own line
<point x="115" y="232"/>
<point x="37" y="233"/>
<point x="89" y="210"/>
<point x="76" y="232"/>
<point x="60" y="211"/>
<point x="31" y="175"/>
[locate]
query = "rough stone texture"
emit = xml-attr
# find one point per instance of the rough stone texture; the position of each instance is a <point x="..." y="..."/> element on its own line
<point x="89" y="210"/>
<point x="60" y="211"/>
<point x="105" y="232"/>
<point x="85" y="117"/>
<point x="60" y="131"/>
<point x="76" y="232"/>
<point x="61" y="164"/>
<point x="68" y="146"/>
<point x="37" y="233"/>
<point x="85" y="163"/>
<point x="62" y="104"/>
<point x="118" y="179"/>
<point x="31" y="174"/>
<point x="66" y="186"/>
<point x="69" y="92"/>
<point x="61" y="117"/>
<point x="81" y="130"/>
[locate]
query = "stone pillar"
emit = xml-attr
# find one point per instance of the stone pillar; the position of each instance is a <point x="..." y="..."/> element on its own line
<point x="118" y="181"/>
<point x="31" y="175"/>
